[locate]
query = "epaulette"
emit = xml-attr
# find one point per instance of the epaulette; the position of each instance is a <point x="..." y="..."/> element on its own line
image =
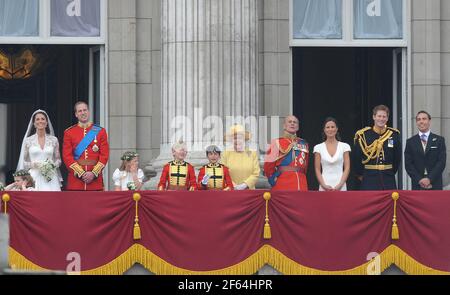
<point x="70" y="127"/>
<point x="394" y="129"/>
<point x="360" y="132"/>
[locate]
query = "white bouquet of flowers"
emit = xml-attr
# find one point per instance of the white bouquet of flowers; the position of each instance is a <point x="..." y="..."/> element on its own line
<point x="131" y="186"/>
<point x="48" y="169"/>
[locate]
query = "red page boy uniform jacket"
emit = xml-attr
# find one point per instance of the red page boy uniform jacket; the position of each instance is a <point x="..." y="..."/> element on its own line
<point x="219" y="179"/>
<point x="177" y="175"/>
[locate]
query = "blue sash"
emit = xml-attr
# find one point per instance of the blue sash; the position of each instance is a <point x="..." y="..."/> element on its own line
<point x="285" y="162"/>
<point x="86" y="141"/>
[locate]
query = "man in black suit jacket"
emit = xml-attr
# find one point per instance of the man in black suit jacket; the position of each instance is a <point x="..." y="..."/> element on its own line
<point x="425" y="156"/>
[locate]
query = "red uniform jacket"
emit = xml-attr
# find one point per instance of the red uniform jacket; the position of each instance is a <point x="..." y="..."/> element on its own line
<point x="93" y="159"/>
<point x="220" y="177"/>
<point x="177" y="176"/>
<point x="286" y="163"/>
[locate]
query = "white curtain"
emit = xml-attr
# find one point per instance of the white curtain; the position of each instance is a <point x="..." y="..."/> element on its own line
<point x="76" y="18"/>
<point x="378" y="19"/>
<point x="19" y="17"/>
<point x="320" y="19"/>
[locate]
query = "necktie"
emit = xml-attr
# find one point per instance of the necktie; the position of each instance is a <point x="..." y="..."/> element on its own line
<point x="423" y="137"/>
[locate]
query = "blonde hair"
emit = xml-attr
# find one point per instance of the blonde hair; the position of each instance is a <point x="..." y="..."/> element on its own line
<point x="179" y="145"/>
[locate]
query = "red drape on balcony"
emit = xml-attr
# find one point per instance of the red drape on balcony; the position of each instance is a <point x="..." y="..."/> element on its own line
<point x="222" y="232"/>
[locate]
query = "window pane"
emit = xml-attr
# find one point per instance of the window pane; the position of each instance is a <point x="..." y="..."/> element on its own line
<point x="319" y="19"/>
<point x="76" y="18"/>
<point x="378" y="19"/>
<point x="19" y="17"/>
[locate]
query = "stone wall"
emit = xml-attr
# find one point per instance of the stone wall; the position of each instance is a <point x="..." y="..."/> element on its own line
<point x="430" y="41"/>
<point x="134" y="33"/>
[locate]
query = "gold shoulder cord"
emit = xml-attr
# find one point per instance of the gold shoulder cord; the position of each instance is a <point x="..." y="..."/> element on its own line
<point x="373" y="150"/>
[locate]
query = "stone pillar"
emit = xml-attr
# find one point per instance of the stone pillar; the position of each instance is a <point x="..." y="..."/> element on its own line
<point x="4" y="241"/>
<point x="122" y="73"/>
<point x="430" y="67"/>
<point x="209" y="68"/>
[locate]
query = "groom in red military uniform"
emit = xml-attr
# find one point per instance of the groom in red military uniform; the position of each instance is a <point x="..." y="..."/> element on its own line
<point x="85" y="152"/>
<point x="286" y="161"/>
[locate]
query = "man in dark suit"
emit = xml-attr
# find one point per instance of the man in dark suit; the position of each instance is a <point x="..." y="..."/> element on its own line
<point x="425" y="156"/>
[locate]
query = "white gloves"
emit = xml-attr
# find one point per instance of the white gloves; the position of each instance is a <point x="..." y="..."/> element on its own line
<point x="205" y="179"/>
<point x="240" y="187"/>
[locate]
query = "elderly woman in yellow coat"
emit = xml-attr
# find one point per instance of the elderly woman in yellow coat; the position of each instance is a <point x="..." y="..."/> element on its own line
<point x="242" y="162"/>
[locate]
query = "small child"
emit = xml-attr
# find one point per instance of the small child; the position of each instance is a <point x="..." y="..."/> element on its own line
<point x="128" y="176"/>
<point x="178" y="174"/>
<point x="22" y="182"/>
<point x="214" y="176"/>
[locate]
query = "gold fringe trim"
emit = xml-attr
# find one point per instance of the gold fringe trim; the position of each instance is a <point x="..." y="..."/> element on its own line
<point x="265" y="255"/>
<point x="18" y="262"/>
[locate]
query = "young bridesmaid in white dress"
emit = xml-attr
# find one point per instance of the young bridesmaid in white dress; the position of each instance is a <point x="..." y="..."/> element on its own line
<point x="332" y="159"/>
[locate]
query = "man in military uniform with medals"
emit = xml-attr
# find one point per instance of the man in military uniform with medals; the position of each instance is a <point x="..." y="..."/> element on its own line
<point x="377" y="153"/>
<point x="85" y="152"/>
<point x="286" y="160"/>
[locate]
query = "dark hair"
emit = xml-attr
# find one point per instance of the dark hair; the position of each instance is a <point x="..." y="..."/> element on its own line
<point x="47" y="129"/>
<point x="424" y="112"/>
<point x="330" y="119"/>
<point x="78" y="103"/>
<point x="380" y="107"/>
<point x="213" y="149"/>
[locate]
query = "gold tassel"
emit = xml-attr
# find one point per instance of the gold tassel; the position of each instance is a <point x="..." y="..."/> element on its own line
<point x="136" y="229"/>
<point x="395" y="234"/>
<point x="267" y="231"/>
<point x="5" y="199"/>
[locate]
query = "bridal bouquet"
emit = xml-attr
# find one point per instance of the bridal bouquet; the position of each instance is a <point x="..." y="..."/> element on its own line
<point x="131" y="186"/>
<point x="47" y="170"/>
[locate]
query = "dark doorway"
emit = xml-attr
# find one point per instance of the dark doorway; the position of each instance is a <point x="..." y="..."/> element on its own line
<point x="344" y="83"/>
<point x="61" y="80"/>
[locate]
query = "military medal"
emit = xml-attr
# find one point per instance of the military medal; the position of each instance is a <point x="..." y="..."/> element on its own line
<point x="95" y="147"/>
<point x="391" y="142"/>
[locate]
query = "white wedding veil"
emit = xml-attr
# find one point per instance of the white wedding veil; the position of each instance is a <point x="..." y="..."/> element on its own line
<point x="20" y="165"/>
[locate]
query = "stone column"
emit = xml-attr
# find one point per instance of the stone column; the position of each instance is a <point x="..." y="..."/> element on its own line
<point x="4" y="241"/>
<point x="209" y="68"/>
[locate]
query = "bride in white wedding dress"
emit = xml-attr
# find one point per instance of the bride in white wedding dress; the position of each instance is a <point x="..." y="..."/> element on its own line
<point x="40" y="153"/>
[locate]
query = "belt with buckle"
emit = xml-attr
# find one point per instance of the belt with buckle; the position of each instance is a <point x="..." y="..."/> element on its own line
<point x="378" y="167"/>
<point x="291" y="169"/>
<point x="87" y="162"/>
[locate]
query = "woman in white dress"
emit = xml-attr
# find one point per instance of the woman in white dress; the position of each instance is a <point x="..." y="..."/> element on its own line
<point x="128" y="176"/>
<point x="40" y="153"/>
<point x="332" y="159"/>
